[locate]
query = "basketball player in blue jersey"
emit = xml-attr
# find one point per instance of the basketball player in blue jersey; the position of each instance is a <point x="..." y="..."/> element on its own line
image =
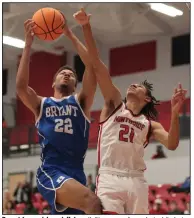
<point x="63" y="126"/>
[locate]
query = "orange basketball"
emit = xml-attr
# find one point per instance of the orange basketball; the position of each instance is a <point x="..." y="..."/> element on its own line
<point x="49" y="23"/>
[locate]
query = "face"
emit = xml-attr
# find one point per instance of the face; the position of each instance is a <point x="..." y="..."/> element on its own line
<point x="138" y="91"/>
<point x="9" y="205"/>
<point x="173" y="206"/>
<point x="89" y="179"/>
<point x="7" y="195"/>
<point x="65" y="78"/>
<point x="157" y="206"/>
<point x="188" y="206"/>
<point x="159" y="149"/>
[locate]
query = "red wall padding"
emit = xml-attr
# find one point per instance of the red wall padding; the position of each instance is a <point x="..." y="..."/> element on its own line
<point x="132" y="59"/>
<point x="20" y="135"/>
<point x="43" y="66"/>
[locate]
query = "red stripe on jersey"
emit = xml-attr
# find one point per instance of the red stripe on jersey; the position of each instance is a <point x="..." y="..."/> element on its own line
<point x="97" y="181"/>
<point x="99" y="140"/>
<point x="148" y="135"/>
<point x="115" y="110"/>
<point x="109" y="212"/>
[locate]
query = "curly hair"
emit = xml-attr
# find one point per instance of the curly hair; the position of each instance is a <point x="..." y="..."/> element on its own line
<point x="149" y="109"/>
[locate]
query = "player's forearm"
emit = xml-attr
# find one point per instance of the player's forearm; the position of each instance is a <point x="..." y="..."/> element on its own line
<point x="80" y="48"/>
<point x="174" y="132"/>
<point x="91" y="44"/>
<point x="109" y="91"/>
<point x="22" y="78"/>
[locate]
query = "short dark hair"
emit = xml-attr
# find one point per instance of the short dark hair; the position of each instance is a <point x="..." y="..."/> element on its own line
<point x="66" y="67"/>
<point x="149" y="109"/>
<point x="90" y="176"/>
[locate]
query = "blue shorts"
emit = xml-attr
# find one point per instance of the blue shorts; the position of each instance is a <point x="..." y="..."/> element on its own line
<point x="50" y="178"/>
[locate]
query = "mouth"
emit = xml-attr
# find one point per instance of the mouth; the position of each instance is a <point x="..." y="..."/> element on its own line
<point x="131" y="89"/>
<point x="65" y="79"/>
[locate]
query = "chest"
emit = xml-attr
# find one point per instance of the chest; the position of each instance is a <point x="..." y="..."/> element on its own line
<point x="127" y="128"/>
<point x="62" y="117"/>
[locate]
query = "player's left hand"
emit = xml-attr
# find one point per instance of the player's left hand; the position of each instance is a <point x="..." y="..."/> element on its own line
<point x="81" y="17"/>
<point x="178" y="99"/>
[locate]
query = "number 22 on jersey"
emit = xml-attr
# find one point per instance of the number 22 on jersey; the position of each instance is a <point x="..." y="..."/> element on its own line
<point x="64" y="125"/>
<point x="126" y="134"/>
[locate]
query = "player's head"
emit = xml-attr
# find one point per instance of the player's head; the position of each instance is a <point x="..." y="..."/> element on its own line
<point x="143" y="94"/>
<point x="173" y="205"/>
<point x="89" y="179"/>
<point x="65" y="79"/>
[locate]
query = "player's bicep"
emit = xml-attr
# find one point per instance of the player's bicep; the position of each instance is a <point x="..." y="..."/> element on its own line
<point x="30" y="99"/>
<point x="159" y="133"/>
<point x="109" y="91"/>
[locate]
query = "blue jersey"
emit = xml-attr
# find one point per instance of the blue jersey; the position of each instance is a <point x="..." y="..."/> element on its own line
<point x="63" y="132"/>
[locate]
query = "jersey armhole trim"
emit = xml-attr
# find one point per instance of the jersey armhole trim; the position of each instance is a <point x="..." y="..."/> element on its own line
<point x="76" y="99"/>
<point x="148" y="135"/>
<point x="41" y="109"/>
<point x="107" y="212"/>
<point x="114" y="111"/>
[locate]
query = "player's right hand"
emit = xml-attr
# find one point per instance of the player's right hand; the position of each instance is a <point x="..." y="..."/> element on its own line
<point x="29" y="25"/>
<point x="81" y="17"/>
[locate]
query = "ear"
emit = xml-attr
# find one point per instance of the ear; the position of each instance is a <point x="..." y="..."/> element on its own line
<point x="147" y="99"/>
<point x="53" y="85"/>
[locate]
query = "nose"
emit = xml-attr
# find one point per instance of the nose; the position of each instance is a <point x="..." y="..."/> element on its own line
<point x="133" y="86"/>
<point x="67" y="75"/>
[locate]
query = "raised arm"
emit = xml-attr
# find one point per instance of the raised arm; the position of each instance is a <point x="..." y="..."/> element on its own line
<point x="110" y="92"/>
<point x="171" y="139"/>
<point x="27" y="95"/>
<point x="89" y="83"/>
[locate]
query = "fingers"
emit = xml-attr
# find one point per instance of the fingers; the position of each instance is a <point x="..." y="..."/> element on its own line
<point x="179" y="89"/>
<point x="82" y="10"/>
<point x="81" y="14"/>
<point x="30" y="26"/>
<point x="177" y="96"/>
<point x="180" y="86"/>
<point x="180" y="93"/>
<point x="27" y="21"/>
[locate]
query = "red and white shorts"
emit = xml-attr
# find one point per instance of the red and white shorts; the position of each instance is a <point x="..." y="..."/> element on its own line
<point x="123" y="195"/>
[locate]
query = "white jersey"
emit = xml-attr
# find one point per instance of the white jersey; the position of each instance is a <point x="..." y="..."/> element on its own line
<point x="121" y="142"/>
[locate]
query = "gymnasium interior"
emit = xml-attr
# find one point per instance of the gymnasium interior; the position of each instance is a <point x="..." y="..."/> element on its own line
<point x="137" y="42"/>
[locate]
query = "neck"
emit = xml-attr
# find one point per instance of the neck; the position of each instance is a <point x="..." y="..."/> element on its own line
<point x="134" y="106"/>
<point x="59" y="94"/>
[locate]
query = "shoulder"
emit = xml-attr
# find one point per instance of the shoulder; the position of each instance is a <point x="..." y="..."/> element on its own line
<point x="108" y="110"/>
<point x="41" y="100"/>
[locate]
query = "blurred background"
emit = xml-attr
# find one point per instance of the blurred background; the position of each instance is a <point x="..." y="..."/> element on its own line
<point x="137" y="41"/>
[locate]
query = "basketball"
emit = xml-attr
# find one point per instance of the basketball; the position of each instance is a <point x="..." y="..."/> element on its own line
<point x="49" y="23"/>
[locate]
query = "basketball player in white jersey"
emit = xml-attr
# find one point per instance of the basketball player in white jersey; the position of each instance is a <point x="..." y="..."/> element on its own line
<point x="125" y="130"/>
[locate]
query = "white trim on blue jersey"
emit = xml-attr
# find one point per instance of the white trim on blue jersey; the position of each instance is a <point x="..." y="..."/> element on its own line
<point x="41" y="108"/>
<point x="60" y="99"/>
<point x="76" y="99"/>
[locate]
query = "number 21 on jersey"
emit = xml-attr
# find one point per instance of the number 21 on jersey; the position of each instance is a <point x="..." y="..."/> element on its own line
<point x="126" y="134"/>
<point x="64" y="125"/>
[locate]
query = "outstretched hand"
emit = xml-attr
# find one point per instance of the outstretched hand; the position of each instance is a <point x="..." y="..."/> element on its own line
<point x="81" y="17"/>
<point x="178" y="99"/>
<point x="29" y="26"/>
